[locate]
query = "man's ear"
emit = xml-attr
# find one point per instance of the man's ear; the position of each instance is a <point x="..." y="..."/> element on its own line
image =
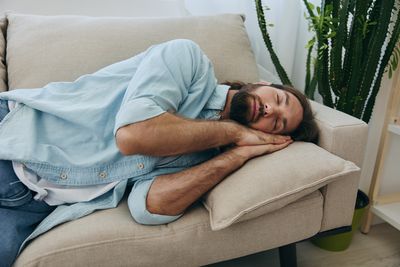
<point x="263" y="83"/>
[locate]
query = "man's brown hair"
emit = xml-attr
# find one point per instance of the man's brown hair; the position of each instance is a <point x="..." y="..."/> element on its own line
<point x="307" y="130"/>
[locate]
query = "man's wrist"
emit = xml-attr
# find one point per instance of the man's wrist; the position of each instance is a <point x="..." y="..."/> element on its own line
<point x="233" y="131"/>
<point x="237" y="156"/>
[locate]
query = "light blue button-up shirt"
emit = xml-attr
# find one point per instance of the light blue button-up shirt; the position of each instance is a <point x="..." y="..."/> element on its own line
<point x="65" y="131"/>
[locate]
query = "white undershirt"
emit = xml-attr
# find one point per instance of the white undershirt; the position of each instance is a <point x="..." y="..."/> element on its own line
<point x="54" y="194"/>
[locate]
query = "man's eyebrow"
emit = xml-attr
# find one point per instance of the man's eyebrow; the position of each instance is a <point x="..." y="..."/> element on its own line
<point x="287" y="99"/>
<point x="284" y="120"/>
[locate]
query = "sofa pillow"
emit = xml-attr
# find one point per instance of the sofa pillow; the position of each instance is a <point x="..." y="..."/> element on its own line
<point x="43" y="49"/>
<point x="3" y="72"/>
<point x="270" y="182"/>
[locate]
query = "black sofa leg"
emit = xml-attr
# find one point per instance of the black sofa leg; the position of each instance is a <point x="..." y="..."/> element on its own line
<point x="287" y="255"/>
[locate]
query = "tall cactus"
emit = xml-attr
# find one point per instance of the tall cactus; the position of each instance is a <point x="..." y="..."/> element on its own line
<point x="356" y="53"/>
<point x="355" y="40"/>
<point x="322" y="74"/>
<point x="340" y="28"/>
<point x="311" y="82"/>
<point x="394" y="39"/>
<point x="268" y="43"/>
<point x="373" y="55"/>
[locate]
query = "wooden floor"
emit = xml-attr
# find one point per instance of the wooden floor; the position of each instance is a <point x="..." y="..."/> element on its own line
<point x="379" y="248"/>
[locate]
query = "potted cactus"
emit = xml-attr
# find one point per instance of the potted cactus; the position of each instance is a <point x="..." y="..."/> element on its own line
<point x="354" y="43"/>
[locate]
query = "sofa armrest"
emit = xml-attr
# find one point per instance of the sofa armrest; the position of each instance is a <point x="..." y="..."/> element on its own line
<point x="344" y="136"/>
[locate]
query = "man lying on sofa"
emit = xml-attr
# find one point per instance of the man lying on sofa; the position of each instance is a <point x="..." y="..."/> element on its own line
<point x="155" y="121"/>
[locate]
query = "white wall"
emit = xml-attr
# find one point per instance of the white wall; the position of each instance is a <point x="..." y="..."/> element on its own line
<point x="128" y="8"/>
<point x="289" y="35"/>
<point x="374" y="135"/>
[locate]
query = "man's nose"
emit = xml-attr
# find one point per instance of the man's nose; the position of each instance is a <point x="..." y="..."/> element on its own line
<point x="268" y="110"/>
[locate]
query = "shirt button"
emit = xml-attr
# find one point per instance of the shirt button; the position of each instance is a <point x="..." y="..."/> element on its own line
<point x="103" y="174"/>
<point x="140" y="165"/>
<point x="63" y="176"/>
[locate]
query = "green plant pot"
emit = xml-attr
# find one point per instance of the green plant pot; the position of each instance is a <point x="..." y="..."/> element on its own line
<point x="340" y="242"/>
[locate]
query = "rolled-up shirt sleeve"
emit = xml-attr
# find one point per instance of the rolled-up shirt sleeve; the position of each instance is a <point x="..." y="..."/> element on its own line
<point x="137" y="205"/>
<point x="165" y="76"/>
<point x="136" y="110"/>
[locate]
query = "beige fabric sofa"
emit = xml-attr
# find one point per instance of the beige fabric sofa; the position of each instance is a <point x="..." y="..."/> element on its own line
<point x="37" y="50"/>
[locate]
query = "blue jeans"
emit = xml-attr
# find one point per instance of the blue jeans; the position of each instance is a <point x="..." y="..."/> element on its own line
<point x="19" y="212"/>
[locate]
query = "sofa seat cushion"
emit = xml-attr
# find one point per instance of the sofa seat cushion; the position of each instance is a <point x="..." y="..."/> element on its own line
<point x="43" y="49"/>
<point x="270" y="182"/>
<point x="189" y="241"/>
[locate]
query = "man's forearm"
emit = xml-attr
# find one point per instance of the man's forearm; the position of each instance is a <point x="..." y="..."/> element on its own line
<point x="168" y="135"/>
<point x="171" y="194"/>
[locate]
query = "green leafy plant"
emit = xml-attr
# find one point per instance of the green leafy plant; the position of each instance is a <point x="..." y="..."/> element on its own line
<point x="355" y="42"/>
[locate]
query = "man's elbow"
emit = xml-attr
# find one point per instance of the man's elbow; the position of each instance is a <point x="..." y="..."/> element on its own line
<point x="127" y="143"/>
<point x="151" y="213"/>
<point x="156" y="206"/>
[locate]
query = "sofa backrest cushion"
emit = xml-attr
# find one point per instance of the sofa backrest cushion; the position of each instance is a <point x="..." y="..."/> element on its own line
<point x="3" y="71"/>
<point x="43" y="49"/>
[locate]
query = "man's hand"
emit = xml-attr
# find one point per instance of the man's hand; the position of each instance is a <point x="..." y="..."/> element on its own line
<point x="249" y="152"/>
<point x="250" y="137"/>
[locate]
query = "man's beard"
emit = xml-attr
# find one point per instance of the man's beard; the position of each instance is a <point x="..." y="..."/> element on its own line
<point x="240" y="110"/>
